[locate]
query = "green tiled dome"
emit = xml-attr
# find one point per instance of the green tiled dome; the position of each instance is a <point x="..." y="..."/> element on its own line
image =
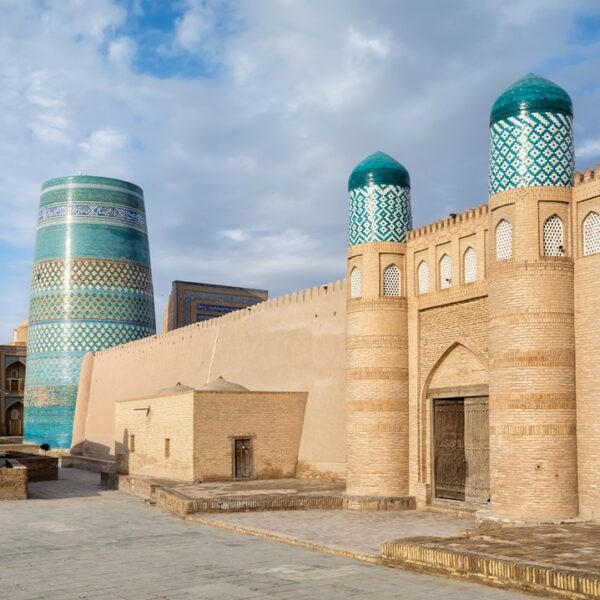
<point x="380" y="169"/>
<point x="531" y="93"/>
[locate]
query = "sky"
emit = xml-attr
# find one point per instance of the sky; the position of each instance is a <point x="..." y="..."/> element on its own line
<point x="242" y="120"/>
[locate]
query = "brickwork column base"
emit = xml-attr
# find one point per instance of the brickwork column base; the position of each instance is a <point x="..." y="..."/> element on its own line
<point x="380" y="502"/>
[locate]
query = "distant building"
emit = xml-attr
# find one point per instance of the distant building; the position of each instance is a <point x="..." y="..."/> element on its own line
<point x="12" y="379"/>
<point x="191" y="302"/>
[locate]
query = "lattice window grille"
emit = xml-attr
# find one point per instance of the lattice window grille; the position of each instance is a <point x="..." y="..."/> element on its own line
<point x="504" y="240"/>
<point x="355" y="283"/>
<point x="423" y="277"/>
<point x="553" y="237"/>
<point x="445" y="272"/>
<point x="591" y="234"/>
<point x="470" y="265"/>
<point x="391" y="281"/>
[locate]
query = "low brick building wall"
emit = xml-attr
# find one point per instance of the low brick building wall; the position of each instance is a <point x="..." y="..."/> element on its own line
<point x="39" y="467"/>
<point x="13" y="480"/>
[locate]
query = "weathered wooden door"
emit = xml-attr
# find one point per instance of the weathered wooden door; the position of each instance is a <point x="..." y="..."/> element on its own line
<point x="477" y="450"/>
<point x="449" y="448"/>
<point x="243" y="458"/>
<point x="14" y="419"/>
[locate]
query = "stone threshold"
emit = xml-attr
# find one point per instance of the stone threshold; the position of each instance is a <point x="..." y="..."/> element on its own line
<point x="422" y="554"/>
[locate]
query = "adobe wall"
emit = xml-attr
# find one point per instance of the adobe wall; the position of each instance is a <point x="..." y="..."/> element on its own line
<point x="272" y="420"/>
<point x="291" y="343"/>
<point x="140" y="436"/>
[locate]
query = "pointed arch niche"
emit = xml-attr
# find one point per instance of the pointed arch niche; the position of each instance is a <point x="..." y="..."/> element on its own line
<point x="454" y="424"/>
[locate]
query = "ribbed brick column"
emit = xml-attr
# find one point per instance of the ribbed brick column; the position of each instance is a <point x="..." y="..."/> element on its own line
<point x="533" y="461"/>
<point x="377" y="380"/>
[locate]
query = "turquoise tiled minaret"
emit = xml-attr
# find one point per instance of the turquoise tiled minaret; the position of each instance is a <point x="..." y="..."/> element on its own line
<point x="91" y="289"/>
<point x="531" y="142"/>
<point x="379" y="190"/>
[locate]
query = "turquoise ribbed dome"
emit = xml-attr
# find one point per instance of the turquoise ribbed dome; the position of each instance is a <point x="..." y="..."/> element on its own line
<point x="531" y="93"/>
<point x="380" y="169"/>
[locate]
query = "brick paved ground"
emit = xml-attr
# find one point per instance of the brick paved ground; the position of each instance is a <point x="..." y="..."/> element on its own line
<point x="361" y="532"/>
<point x="75" y="540"/>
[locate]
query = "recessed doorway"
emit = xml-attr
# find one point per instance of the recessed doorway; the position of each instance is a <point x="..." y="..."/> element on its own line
<point x="461" y="449"/>
<point x="242" y="458"/>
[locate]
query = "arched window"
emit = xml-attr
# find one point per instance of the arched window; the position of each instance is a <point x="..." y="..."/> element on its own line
<point x="445" y="272"/>
<point x="423" y="277"/>
<point x="391" y="281"/>
<point x="355" y="283"/>
<point x="470" y="265"/>
<point x="591" y="234"/>
<point x="503" y="240"/>
<point x="553" y="237"/>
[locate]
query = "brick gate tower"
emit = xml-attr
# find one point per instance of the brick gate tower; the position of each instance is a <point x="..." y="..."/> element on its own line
<point x="533" y="470"/>
<point x="376" y="335"/>
<point x="91" y="289"/>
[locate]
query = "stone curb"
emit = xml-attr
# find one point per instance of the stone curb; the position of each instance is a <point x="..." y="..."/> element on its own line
<point x="498" y="572"/>
<point x="276" y="537"/>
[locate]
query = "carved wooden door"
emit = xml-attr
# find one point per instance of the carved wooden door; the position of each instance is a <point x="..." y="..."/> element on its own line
<point x="243" y="458"/>
<point x="449" y="448"/>
<point x="477" y="450"/>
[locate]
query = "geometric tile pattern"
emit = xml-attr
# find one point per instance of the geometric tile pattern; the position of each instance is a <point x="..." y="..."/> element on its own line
<point x="503" y="240"/>
<point x="91" y="289"/>
<point x="118" y="214"/>
<point x="379" y="213"/>
<point x="391" y="281"/>
<point x="531" y="149"/>
<point x="470" y="265"/>
<point x="591" y="234"/>
<point x="83" y="336"/>
<point x="92" y="304"/>
<point x="91" y="273"/>
<point x="553" y="237"/>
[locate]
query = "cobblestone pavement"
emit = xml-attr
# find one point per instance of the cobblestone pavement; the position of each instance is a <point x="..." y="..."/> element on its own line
<point x="361" y="532"/>
<point x="76" y="540"/>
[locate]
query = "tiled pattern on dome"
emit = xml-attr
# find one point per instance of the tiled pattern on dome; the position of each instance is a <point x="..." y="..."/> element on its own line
<point x="591" y="234"/>
<point x="503" y="240"/>
<point x="91" y="289"/>
<point x="379" y="213"/>
<point x="115" y="214"/>
<point x="391" y="281"/>
<point x="470" y="265"/>
<point x="355" y="283"/>
<point x="445" y="272"/>
<point x="553" y="237"/>
<point x="531" y="149"/>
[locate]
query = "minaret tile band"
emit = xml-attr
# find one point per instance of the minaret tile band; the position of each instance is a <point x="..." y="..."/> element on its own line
<point x="91" y="289"/>
<point x="379" y="189"/>
<point x="531" y="136"/>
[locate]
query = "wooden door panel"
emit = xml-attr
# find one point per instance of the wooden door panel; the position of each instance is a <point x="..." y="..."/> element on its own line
<point x="477" y="450"/>
<point x="449" y="448"/>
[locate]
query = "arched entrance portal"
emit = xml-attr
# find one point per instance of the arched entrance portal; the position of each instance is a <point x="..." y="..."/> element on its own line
<point x="14" y="419"/>
<point x="457" y="396"/>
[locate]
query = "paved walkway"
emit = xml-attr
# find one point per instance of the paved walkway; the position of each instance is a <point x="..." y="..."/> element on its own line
<point x="359" y="532"/>
<point x="76" y="540"/>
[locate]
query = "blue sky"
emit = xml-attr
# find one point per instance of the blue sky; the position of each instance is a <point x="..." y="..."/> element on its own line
<point x="242" y="120"/>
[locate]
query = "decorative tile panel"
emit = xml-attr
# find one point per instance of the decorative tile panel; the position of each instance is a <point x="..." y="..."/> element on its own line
<point x="379" y="213"/>
<point x="531" y="149"/>
<point x="91" y="289"/>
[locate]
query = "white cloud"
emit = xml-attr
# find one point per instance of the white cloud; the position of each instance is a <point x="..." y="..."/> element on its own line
<point x="245" y="172"/>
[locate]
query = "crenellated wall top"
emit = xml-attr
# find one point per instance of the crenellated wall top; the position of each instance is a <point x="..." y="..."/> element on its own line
<point x="457" y="219"/>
